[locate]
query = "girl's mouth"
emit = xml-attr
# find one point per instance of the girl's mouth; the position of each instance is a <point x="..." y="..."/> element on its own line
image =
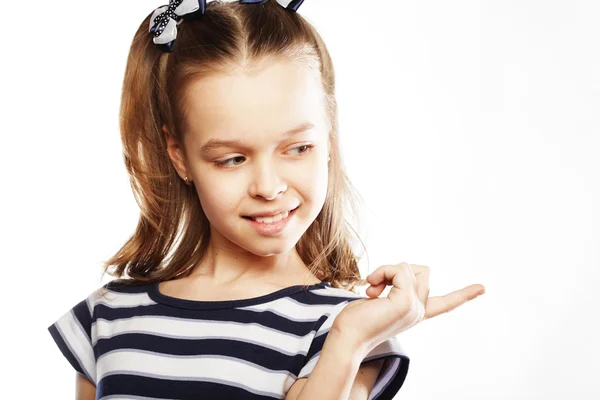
<point x="272" y="228"/>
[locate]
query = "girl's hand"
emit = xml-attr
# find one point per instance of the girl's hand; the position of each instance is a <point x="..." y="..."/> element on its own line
<point x="369" y="322"/>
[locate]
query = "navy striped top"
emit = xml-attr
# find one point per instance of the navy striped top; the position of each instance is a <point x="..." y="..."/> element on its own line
<point x="134" y="342"/>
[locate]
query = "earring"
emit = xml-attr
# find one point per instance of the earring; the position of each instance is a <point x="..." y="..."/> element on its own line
<point x="187" y="182"/>
<point x="328" y="159"/>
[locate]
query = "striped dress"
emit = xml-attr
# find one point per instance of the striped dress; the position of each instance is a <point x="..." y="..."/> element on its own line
<point x="134" y="342"/>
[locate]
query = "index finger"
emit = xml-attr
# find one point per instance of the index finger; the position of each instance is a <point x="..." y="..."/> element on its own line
<point x="443" y="304"/>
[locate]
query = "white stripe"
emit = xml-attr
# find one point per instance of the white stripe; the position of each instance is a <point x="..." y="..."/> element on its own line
<point x="205" y="368"/>
<point x="203" y="329"/>
<point x="292" y="310"/>
<point x="90" y="304"/>
<point x="323" y="329"/>
<point x="116" y="299"/>
<point x="335" y="292"/>
<point x="78" y="342"/>
<point x="309" y="366"/>
<point x="334" y="312"/>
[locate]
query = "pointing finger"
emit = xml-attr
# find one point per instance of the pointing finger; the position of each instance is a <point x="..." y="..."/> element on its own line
<point x="443" y="304"/>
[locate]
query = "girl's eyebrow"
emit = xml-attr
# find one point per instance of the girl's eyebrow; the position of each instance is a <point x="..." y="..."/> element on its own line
<point x="213" y="144"/>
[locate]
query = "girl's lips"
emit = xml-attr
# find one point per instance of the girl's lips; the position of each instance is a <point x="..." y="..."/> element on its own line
<point x="272" y="229"/>
<point x="248" y="217"/>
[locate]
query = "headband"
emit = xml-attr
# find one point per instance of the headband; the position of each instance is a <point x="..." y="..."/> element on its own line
<point x="164" y="20"/>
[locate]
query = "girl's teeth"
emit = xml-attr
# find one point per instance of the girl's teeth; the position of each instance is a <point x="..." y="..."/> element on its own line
<point x="270" y="220"/>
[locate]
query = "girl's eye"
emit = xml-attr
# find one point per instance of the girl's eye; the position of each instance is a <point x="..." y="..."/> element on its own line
<point x="307" y="146"/>
<point x="225" y="163"/>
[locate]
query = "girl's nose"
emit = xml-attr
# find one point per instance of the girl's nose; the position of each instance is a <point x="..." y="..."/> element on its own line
<point x="267" y="182"/>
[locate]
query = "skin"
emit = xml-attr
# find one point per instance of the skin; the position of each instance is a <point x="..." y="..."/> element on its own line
<point x="84" y="389"/>
<point x="268" y="171"/>
<point x="368" y="322"/>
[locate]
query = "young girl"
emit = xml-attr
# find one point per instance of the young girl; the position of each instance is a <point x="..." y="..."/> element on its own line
<point x="238" y="283"/>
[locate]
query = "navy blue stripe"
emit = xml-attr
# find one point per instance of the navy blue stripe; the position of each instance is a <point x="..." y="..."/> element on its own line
<point x="265" y="318"/>
<point x="319" y="299"/>
<point x="260" y="355"/>
<point x="155" y="294"/>
<point x="65" y="349"/>
<point x="397" y="380"/>
<point x="301" y="295"/>
<point x="171" y="389"/>
<point x="127" y="286"/>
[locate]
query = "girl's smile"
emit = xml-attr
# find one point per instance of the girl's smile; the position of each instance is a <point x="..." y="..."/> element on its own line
<point x="272" y="226"/>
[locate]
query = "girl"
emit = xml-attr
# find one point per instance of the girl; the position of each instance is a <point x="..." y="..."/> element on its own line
<point x="238" y="283"/>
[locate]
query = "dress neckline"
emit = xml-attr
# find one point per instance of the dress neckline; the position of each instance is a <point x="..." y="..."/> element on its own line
<point x="155" y="294"/>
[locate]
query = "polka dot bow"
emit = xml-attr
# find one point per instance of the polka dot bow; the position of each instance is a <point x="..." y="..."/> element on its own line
<point x="164" y="20"/>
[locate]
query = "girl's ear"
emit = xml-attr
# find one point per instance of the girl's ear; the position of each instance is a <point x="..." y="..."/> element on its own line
<point x="176" y="153"/>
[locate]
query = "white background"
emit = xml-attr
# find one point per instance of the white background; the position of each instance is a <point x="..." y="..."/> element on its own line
<point x="470" y="128"/>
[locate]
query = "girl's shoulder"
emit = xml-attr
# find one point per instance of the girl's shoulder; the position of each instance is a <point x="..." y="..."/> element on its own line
<point x="127" y="291"/>
<point x="126" y="285"/>
<point x="312" y="306"/>
<point x="326" y="294"/>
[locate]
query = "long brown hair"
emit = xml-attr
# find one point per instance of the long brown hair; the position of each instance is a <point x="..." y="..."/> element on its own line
<point x="173" y="232"/>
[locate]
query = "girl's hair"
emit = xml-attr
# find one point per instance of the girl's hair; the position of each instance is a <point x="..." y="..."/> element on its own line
<point x="173" y="232"/>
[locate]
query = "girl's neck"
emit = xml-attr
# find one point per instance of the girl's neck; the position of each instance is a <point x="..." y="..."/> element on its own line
<point x="222" y="266"/>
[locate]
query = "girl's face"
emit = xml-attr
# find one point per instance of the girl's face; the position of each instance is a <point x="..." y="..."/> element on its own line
<point x="273" y="120"/>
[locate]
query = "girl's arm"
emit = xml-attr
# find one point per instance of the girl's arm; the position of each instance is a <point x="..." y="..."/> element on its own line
<point x="84" y="389"/>
<point x="335" y="376"/>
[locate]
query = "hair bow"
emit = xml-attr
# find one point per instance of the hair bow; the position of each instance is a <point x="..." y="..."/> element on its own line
<point x="291" y="5"/>
<point x="164" y="21"/>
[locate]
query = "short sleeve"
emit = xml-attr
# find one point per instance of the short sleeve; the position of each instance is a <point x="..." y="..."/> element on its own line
<point x="72" y="335"/>
<point x="394" y="369"/>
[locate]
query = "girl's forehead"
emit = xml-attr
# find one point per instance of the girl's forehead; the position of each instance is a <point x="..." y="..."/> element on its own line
<point x="272" y="99"/>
